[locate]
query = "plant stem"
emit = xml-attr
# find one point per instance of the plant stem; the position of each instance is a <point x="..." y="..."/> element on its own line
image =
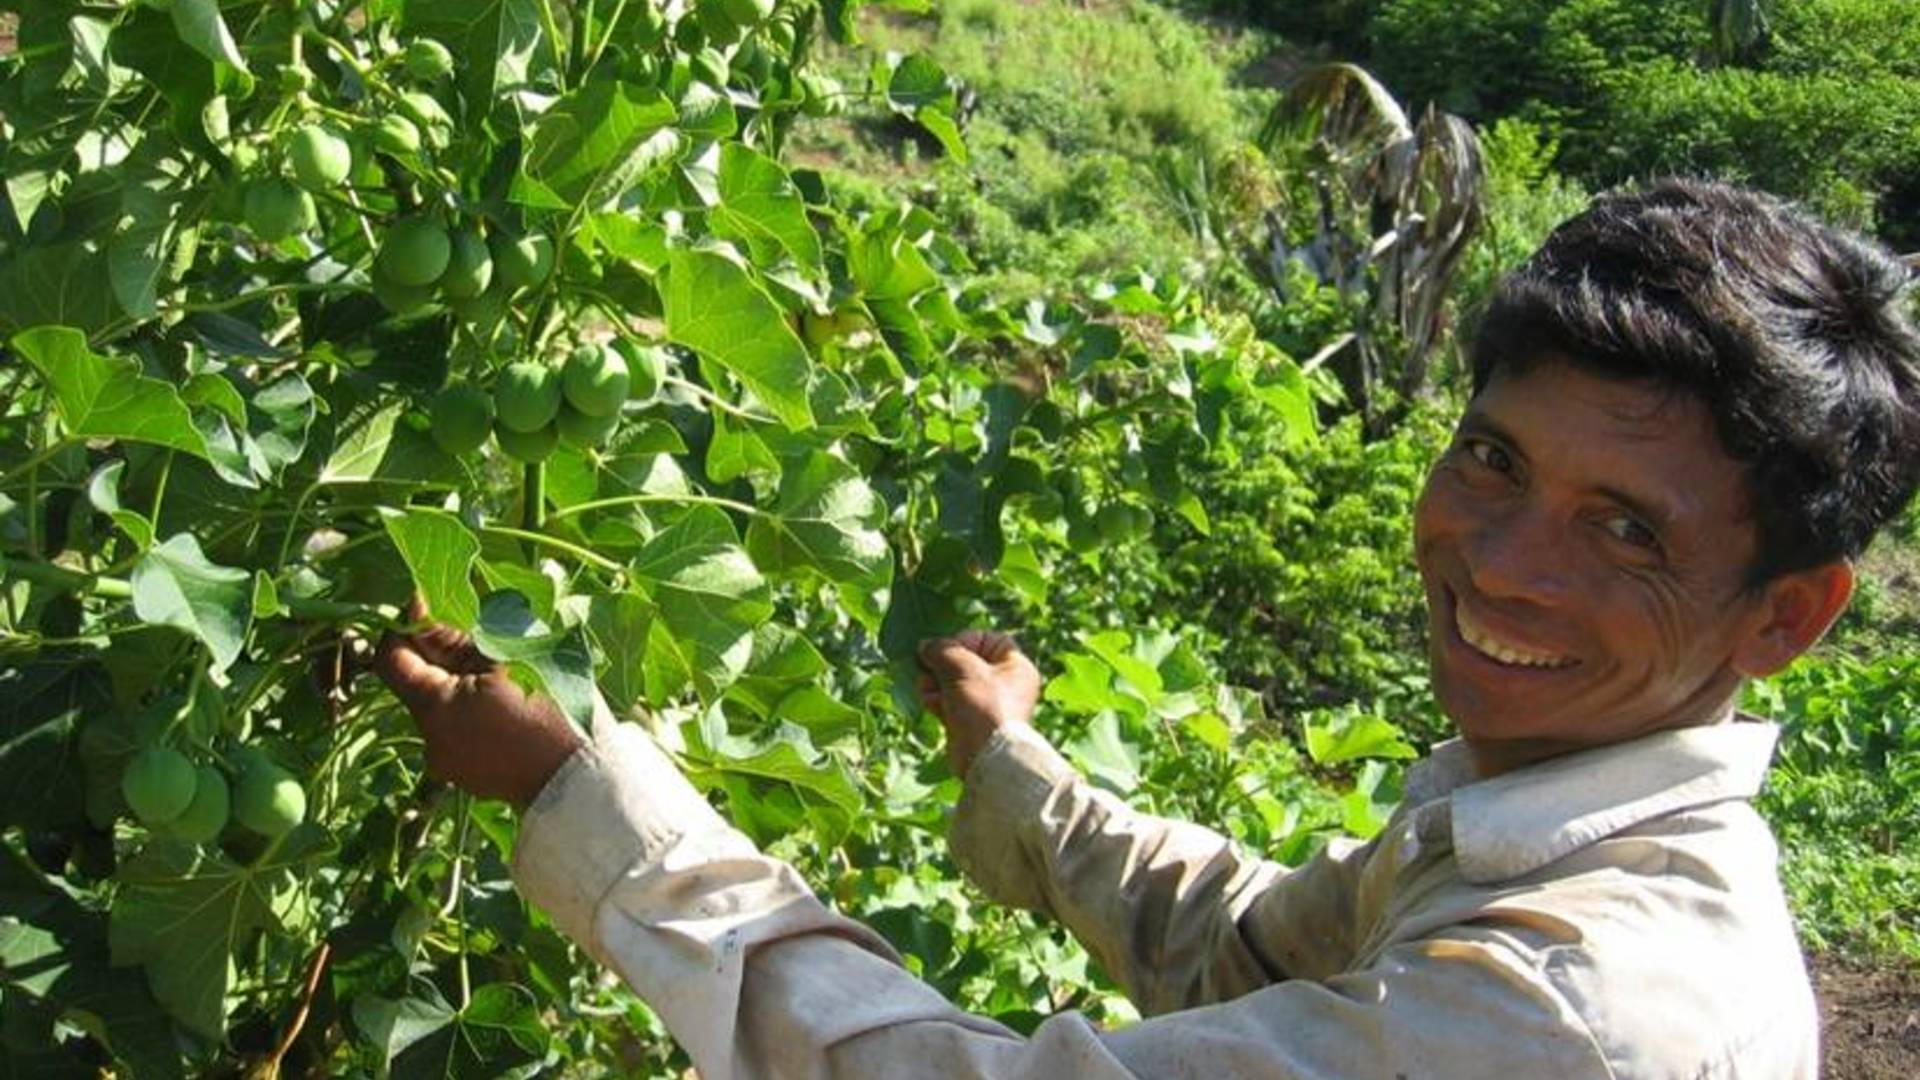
<point x="30" y="467"/>
<point x="639" y="500"/>
<point x="533" y="496"/>
<point x="160" y="489"/>
<point x="543" y="540"/>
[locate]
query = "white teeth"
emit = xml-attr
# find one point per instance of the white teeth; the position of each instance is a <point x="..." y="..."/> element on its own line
<point x="1483" y="640"/>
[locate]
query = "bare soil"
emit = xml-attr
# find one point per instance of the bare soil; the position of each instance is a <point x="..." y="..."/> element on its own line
<point x="1869" y="1019"/>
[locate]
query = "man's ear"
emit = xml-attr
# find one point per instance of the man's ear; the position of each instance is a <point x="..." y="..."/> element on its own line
<point x="1795" y="611"/>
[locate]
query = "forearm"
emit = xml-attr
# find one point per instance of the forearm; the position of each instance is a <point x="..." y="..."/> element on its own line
<point x="1157" y="901"/>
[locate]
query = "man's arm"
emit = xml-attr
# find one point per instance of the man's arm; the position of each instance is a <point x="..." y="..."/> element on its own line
<point x="755" y="977"/>
<point x="1177" y="914"/>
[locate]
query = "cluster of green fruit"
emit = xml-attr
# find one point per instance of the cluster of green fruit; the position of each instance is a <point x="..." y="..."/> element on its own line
<point x="420" y="259"/>
<point x="536" y="406"/>
<point x="321" y="156"/>
<point x="172" y="796"/>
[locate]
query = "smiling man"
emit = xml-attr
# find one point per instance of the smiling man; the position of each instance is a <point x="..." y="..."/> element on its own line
<point x="1691" y="411"/>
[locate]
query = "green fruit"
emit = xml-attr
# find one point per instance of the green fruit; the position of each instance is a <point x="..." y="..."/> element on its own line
<point x="526" y="396"/>
<point x="531" y="447"/>
<point x="747" y="13"/>
<point x="522" y="262"/>
<point x="428" y="60"/>
<point x="267" y="798"/>
<point x="415" y="252"/>
<point x="321" y="159"/>
<point x="469" y="267"/>
<point x="158" y="784"/>
<point x="710" y="67"/>
<point x="396" y="135"/>
<point x="438" y="128"/>
<point x="584" y="432"/>
<point x="646" y="371"/>
<point x="396" y="297"/>
<point x="462" y="416"/>
<point x="276" y="209"/>
<point x="206" y="815"/>
<point x="595" y="380"/>
<point x="1115" y="522"/>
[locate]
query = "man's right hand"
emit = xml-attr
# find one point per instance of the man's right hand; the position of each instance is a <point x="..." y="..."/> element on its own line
<point x="976" y="682"/>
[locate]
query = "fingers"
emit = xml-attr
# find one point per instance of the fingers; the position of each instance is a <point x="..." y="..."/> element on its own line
<point x="990" y="646"/>
<point x="417" y="681"/>
<point x="949" y="658"/>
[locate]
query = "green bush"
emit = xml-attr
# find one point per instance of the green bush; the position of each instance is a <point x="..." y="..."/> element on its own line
<point x="1844" y="799"/>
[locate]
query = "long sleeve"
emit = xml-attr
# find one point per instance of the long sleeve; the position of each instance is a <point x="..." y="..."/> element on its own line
<point x="756" y="978"/>
<point x="1177" y="915"/>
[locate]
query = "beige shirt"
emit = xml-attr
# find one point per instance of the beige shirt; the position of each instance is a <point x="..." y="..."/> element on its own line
<point x="1613" y="913"/>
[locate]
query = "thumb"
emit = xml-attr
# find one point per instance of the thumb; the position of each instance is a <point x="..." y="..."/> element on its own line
<point x="949" y="659"/>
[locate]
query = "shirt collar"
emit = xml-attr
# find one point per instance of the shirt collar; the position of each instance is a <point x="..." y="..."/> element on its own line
<point x="1519" y="821"/>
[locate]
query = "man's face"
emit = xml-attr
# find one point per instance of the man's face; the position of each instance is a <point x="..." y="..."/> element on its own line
<point x="1583" y="544"/>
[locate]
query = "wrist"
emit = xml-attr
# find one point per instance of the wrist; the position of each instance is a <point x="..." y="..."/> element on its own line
<point x="544" y="761"/>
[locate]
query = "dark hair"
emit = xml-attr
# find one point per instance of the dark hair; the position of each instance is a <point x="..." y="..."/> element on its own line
<point x="1794" y="334"/>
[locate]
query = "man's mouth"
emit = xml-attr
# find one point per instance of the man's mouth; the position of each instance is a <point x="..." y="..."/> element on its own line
<point x="1490" y="645"/>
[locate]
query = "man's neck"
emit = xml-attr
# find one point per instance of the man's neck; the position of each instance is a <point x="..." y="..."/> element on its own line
<point x="1491" y="759"/>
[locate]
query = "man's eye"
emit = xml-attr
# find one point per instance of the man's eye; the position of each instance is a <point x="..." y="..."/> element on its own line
<point x="1490" y="455"/>
<point x="1629" y="531"/>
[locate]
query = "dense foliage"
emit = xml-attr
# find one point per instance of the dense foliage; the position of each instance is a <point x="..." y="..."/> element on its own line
<point x="1815" y="99"/>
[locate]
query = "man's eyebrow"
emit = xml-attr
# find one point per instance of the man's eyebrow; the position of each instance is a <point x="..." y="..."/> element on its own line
<point x="1479" y="423"/>
<point x="1653" y="511"/>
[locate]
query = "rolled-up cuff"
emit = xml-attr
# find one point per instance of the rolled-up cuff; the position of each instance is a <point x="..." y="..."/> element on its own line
<point x="617" y="803"/>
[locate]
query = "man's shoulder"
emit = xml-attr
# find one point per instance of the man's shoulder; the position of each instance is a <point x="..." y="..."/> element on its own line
<point x="1680" y="952"/>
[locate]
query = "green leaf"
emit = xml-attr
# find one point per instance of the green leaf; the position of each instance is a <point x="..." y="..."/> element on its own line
<point x="185" y="914"/>
<point x="782" y="661"/>
<point x="41" y="705"/>
<point x="595" y="143"/>
<point x="498" y="43"/>
<point x="760" y="208"/>
<point x="826" y="519"/>
<point x="509" y="631"/>
<point x="620" y="624"/>
<point x="175" y="585"/>
<point x="201" y="28"/>
<point x="715" y="308"/>
<point x="825" y="779"/>
<point x="501" y="1027"/>
<point x="101" y="397"/>
<point x="709" y="597"/>
<point x="439" y="551"/>
<point x="68" y="284"/>
<point x="54" y="951"/>
<point x="370" y="443"/>
<point x="1350" y="736"/>
<point x="1107" y="757"/>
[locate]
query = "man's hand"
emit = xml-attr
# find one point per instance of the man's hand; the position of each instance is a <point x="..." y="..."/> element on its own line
<point x="976" y="682"/>
<point x="483" y="732"/>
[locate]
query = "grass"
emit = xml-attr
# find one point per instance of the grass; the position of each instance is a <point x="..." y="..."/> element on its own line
<point x="1077" y="109"/>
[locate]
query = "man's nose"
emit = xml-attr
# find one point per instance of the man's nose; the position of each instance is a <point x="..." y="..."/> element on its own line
<point x="1521" y="556"/>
